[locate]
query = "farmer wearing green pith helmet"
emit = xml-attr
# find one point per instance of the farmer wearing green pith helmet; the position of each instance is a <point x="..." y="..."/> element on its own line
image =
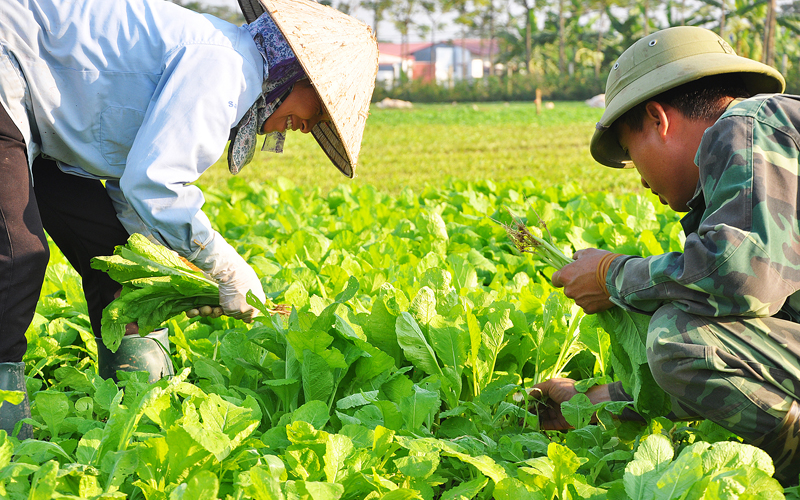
<point x="710" y="134"/>
<point x="111" y="110"/>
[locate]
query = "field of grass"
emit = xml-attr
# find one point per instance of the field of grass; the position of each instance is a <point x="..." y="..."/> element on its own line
<point x="431" y="143"/>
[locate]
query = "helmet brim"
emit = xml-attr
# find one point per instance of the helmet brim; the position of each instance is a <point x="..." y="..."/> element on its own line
<point x="758" y="78"/>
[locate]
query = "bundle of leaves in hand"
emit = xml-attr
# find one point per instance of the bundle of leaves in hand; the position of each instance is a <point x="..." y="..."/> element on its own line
<point x="157" y="284"/>
<point x="535" y="240"/>
<point x="627" y="330"/>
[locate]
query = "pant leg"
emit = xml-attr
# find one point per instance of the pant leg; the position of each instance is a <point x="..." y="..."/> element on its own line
<point x="742" y="373"/>
<point x="80" y="218"/>
<point x="23" y="246"/>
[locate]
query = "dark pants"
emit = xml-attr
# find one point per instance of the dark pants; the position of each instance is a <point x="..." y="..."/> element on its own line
<point x="77" y="214"/>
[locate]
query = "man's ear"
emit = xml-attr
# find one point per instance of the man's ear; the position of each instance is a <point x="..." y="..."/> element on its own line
<point x="657" y="116"/>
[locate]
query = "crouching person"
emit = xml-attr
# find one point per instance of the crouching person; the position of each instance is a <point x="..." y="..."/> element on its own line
<point x="710" y="134"/>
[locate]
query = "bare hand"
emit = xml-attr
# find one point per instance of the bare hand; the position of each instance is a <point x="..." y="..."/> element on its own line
<point x="579" y="280"/>
<point x="549" y="395"/>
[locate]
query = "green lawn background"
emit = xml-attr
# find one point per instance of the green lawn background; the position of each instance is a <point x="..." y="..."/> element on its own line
<point x="431" y="143"/>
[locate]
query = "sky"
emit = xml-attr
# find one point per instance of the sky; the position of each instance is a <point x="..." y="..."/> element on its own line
<point x="386" y="31"/>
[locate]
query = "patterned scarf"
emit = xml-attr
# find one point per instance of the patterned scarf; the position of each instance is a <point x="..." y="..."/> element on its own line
<point x="281" y="70"/>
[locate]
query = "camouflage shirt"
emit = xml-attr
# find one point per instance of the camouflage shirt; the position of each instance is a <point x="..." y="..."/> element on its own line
<point x="742" y="250"/>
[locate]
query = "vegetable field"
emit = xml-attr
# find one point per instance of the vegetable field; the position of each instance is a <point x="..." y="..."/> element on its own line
<point x="429" y="144"/>
<point x="399" y="374"/>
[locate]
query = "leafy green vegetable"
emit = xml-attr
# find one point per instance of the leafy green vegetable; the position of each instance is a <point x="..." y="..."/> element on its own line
<point x="329" y="403"/>
<point x="156" y="285"/>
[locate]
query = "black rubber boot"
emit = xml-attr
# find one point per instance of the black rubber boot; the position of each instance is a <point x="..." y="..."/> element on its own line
<point x="12" y="378"/>
<point x="137" y="354"/>
<point x="783" y="445"/>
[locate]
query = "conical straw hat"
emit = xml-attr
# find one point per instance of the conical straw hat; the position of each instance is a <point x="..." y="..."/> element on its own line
<point x="339" y="54"/>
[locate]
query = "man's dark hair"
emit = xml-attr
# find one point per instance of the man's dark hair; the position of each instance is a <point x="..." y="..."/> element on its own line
<point x="703" y="99"/>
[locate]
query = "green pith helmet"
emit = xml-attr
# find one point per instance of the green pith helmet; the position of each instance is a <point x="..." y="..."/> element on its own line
<point x="665" y="60"/>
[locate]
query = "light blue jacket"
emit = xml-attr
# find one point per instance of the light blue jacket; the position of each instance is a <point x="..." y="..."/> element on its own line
<point x="141" y="93"/>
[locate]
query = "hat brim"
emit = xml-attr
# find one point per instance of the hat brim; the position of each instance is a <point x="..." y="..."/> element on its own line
<point x="758" y="78"/>
<point x="339" y="55"/>
<point x="251" y="9"/>
<point x="331" y="143"/>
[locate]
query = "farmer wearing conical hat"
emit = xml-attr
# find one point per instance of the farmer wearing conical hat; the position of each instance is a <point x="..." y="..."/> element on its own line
<point x="711" y="135"/>
<point x="111" y="110"/>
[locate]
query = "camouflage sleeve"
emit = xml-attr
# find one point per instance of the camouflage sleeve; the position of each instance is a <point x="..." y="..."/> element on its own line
<point x="744" y="256"/>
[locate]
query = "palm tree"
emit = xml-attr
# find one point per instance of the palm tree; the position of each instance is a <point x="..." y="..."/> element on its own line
<point x="378" y="9"/>
<point x="529" y="6"/>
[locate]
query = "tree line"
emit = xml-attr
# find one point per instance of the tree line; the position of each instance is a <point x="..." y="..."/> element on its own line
<point x="565" y="48"/>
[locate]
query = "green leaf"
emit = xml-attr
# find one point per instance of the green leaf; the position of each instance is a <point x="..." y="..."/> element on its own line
<point x="11" y="397"/>
<point x="464" y="273"/>
<point x="349" y="292"/>
<point x="317" y="379"/>
<point x="419" y="465"/>
<point x="53" y="407"/>
<point x="745" y="483"/>
<point x="262" y="484"/>
<point x="597" y="340"/>
<point x="628" y="334"/>
<point x="415" y="345"/>
<point x="220" y="426"/>
<point x="40" y="450"/>
<point x="382" y="440"/>
<point x="43" y="484"/>
<point x="313" y="412"/>
<point x="450" y="343"/>
<point x="733" y="455"/>
<point x="578" y="411"/>
<point x="418" y="407"/>
<point x="392" y="418"/>
<point x="649" y="462"/>
<point x="6" y="449"/>
<point x="469" y="489"/>
<point x="401" y="494"/>
<point x="202" y="486"/>
<point x="680" y="476"/>
<point x="483" y="463"/>
<point x="423" y="306"/>
<point x="88" y="446"/>
<point x="337" y="449"/>
<point x="512" y="489"/>
<point x="117" y="466"/>
<point x="303" y="462"/>
<point x="312" y="340"/>
<point x="156" y="285"/>
<point x="322" y="491"/>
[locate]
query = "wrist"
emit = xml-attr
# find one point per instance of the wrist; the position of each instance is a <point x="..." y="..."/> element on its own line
<point x="217" y="257"/>
<point x="601" y="273"/>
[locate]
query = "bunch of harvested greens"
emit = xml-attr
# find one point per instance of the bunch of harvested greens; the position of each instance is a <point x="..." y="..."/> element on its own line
<point x="157" y="284"/>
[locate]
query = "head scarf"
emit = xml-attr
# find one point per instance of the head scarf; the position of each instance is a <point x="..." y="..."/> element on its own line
<point x="281" y="71"/>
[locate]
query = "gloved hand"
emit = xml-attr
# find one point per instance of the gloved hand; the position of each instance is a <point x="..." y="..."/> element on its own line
<point x="235" y="277"/>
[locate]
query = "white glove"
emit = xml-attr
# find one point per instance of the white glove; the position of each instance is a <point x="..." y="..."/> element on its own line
<point x="235" y="277"/>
